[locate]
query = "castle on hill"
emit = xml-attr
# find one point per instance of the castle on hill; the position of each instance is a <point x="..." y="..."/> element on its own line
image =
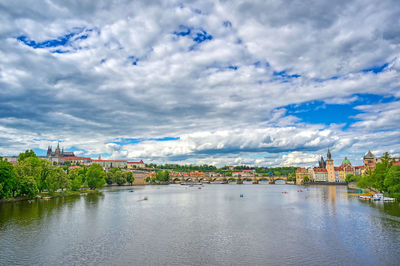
<point x="58" y="152"/>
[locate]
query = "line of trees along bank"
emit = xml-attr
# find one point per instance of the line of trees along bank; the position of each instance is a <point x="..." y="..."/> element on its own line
<point x="276" y="171"/>
<point x="32" y="176"/>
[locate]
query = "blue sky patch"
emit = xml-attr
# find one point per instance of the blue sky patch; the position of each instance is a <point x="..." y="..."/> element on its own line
<point x="60" y="41"/>
<point x="376" y="69"/>
<point x="202" y="37"/>
<point x="124" y="141"/>
<point x="319" y="112"/>
<point x="40" y="152"/>
<point x="183" y="31"/>
<point x="134" y="60"/>
<point x="284" y="74"/>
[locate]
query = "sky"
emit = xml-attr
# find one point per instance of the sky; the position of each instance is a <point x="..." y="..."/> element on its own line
<point x="266" y="83"/>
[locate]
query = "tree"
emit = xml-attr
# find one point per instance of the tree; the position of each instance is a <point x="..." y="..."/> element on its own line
<point x="162" y="176"/>
<point x="306" y="178"/>
<point x="27" y="169"/>
<point x="76" y="183"/>
<point x="110" y="178"/>
<point x="129" y="177"/>
<point x="95" y="176"/>
<point x="292" y="177"/>
<point x="351" y="178"/>
<point x="377" y="178"/>
<point x="28" y="186"/>
<point x="26" y="154"/>
<point x="392" y="181"/>
<point x="67" y="163"/>
<point x="72" y="174"/>
<point x="45" y="171"/>
<point x="7" y="179"/>
<point x="120" y="178"/>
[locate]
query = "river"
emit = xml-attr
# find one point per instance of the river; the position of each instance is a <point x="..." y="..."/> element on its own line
<point x="180" y="225"/>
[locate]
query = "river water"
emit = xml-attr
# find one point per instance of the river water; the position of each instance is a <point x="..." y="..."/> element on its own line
<point x="180" y="225"/>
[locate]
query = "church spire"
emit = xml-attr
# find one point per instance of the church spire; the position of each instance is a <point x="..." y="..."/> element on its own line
<point x="329" y="155"/>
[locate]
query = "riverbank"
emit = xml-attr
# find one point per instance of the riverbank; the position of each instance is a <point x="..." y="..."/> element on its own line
<point x="46" y="196"/>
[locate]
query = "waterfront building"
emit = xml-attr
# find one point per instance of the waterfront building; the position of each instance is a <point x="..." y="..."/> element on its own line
<point x="136" y="165"/>
<point x="369" y="162"/>
<point x="359" y="170"/>
<point x="330" y="168"/>
<point x="320" y="175"/>
<point x="340" y="174"/>
<point x="301" y="173"/>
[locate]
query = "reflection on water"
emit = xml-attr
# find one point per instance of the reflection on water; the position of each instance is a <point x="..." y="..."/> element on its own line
<point x="183" y="225"/>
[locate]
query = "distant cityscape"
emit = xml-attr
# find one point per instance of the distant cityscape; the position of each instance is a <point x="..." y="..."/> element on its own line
<point x="328" y="173"/>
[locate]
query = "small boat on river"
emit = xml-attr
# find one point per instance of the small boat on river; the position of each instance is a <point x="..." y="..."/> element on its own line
<point x="376" y="197"/>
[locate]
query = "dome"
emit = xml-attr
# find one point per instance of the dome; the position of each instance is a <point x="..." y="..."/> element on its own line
<point x="346" y="161"/>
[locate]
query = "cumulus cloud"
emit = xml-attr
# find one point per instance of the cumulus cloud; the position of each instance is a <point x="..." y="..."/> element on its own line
<point x="216" y="74"/>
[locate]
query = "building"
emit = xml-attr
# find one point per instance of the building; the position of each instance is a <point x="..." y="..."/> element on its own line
<point x="58" y="152"/>
<point x="136" y="165"/>
<point x="11" y="159"/>
<point x="369" y="162"/>
<point x="322" y="163"/>
<point x="106" y="164"/>
<point x="320" y="175"/>
<point x="78" y="160"/>
<point x="301" y="173"/>
<point x="330" y="168"/>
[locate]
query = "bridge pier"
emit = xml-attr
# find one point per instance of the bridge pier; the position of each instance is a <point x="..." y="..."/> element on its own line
<point x="239" y="181"/>
<point x="255" y="181"/>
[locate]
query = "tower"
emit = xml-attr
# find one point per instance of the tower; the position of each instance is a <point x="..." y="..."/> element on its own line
<point x="322" y="163"/>
<point x="49" y="151"/>
<point x="329" y="155"/>
<point x="57" y="153"/>
<point x="369" y="161"/>
<point x="330" y="168"/>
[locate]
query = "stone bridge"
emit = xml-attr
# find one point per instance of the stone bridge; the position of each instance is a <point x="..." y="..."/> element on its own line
<point x="237" y="179"/>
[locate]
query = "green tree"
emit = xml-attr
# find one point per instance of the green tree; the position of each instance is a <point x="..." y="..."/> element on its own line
<point x="67" y="163"/>
<point x="162" y="176"/>
<point x="306" y="178"/>
<point x="110" y="178"/>
<point x="129" y="177"/>
<point x="352" y="178"/>
<point x="120" y="178"/>
<point x="76" y="183"/>
<point x="57" y="179"/>
<point x="292" y="177"/>
<point x="45" y="171"/>
<point x="392" y="181"/>
<point x="26" y="154"/>
<point x="28" y="186"/>
<point x="7" y="179"/>
<point x="29" y="167"/>
<point x="377" y="178"/>
<point x="95" y="176"/>
<point x="73" y="173"/>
